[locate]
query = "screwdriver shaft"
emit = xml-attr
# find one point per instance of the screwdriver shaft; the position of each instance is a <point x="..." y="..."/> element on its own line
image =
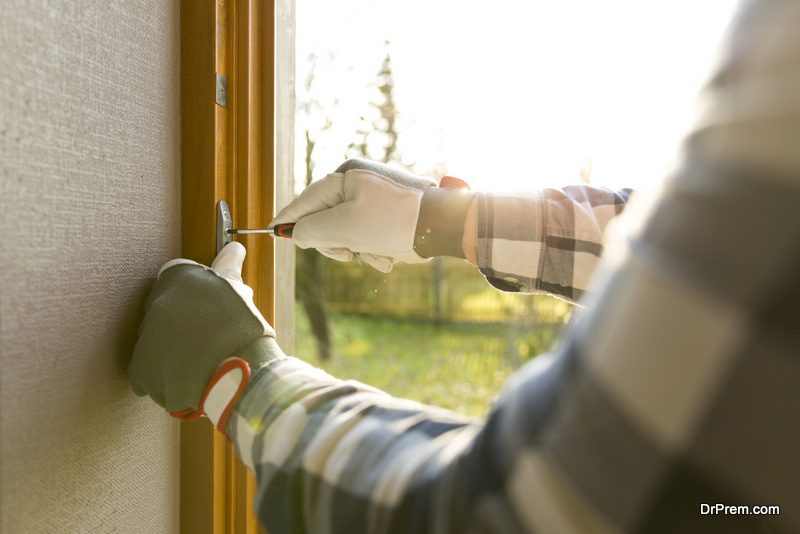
<point x="234" y="231"/>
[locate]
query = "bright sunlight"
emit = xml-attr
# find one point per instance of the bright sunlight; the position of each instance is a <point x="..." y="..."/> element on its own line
<point x="510" y="95"/>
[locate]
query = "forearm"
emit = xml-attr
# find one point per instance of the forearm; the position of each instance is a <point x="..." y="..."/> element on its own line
<point x="338" y="456"/>
<point x="469" y="241"/>
<point x="643" y="400"/>
<point x="547" y="241"/>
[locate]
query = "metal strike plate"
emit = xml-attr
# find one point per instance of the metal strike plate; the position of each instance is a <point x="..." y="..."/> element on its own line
<point x="224" y="223"/>
<point x="222" y="90"/>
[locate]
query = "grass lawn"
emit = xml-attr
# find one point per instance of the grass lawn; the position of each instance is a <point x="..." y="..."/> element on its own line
<point x="461" y="367"/>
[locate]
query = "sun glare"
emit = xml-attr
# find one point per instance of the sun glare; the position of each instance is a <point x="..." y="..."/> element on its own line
<point x="514" y="96"/>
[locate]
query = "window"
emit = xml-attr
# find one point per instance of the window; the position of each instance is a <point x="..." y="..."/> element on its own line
<point x="518" y="96"/>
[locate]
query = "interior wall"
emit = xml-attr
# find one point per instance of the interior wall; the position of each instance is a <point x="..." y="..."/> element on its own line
<point x="89" y="203"/>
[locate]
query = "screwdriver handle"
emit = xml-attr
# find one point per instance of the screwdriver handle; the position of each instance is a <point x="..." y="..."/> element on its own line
<point x="284" y="230"/>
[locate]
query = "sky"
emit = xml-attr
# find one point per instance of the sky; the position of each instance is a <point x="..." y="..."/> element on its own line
<point x="510" y="95"/>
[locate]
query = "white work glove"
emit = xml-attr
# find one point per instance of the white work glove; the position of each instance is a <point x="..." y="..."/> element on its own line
<point x="364" y="208"/>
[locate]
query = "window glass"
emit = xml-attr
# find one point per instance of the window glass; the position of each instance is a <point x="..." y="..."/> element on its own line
<point x="516" y="97"/>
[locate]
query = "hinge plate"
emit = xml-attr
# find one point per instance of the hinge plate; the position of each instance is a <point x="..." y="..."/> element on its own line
<point x="222" y="90"/>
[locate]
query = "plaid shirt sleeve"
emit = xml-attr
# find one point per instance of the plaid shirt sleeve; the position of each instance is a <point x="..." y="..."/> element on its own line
<point x="549" y="241"/>
<point x="673" y="393"/>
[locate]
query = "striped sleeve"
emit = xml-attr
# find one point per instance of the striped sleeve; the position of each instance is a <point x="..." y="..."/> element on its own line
<point x="339" y="456"/>
<point x="549" y="241"/>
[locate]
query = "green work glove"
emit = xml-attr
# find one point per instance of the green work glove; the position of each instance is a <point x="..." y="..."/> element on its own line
<point x="200" y="325"/>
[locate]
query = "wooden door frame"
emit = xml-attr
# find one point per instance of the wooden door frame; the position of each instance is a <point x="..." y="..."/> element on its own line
<point x="229" y="152"/>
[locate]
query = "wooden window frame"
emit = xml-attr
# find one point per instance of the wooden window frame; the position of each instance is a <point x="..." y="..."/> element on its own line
<point x="242" y="153"/>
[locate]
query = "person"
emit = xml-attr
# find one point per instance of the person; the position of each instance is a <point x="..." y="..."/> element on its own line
<point x="669" y="406"/>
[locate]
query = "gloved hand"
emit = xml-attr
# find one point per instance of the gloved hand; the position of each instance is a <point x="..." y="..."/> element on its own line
<point x="381" y="213"/>
<point x="200" y="337"/>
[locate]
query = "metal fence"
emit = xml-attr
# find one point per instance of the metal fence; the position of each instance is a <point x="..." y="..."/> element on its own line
<point x="443" y="290"/>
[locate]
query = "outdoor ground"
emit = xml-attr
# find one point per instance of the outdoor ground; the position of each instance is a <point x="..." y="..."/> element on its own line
<point x="461" y="367"/>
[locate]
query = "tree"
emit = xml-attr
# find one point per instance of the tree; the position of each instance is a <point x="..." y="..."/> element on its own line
<point x="309" y="283"/>
<point x="384" y="127"/>
<point x="309" y="267"/>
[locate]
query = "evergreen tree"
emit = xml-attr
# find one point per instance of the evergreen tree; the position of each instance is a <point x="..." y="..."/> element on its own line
<point x="384" y="127"/>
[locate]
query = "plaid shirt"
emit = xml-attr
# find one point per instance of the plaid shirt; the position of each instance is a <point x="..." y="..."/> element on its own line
<point x="677" y="386"/>
<point x="549" y="241"/>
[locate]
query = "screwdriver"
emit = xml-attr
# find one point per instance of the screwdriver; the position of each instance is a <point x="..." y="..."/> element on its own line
<point x="280" y="230"/>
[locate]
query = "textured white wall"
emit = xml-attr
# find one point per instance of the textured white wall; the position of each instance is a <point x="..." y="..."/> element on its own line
<point x="89" y="202"/>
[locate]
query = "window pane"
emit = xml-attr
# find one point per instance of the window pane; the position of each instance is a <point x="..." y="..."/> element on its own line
<point x="512" y="96"/>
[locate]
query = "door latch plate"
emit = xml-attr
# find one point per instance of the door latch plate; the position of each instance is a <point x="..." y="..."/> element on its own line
<point x="221" y="96"/>
<point x="224" y="223"/>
